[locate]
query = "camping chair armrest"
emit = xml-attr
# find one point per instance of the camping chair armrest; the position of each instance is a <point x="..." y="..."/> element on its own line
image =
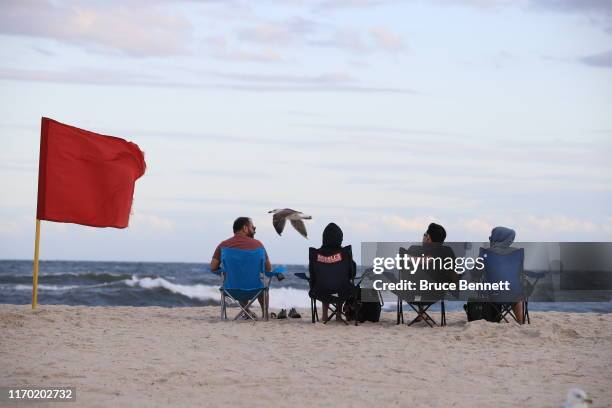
<point x="218" y="271"/>
<point x="276" y="271"/>
<point x="302" y="275"/>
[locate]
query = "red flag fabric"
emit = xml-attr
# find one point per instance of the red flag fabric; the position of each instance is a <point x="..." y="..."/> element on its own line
<point x="86" y="178"/>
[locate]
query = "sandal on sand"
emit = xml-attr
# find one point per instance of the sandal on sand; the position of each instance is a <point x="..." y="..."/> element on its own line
<point x="282" y="314"/>
<point x="294" y="314"/>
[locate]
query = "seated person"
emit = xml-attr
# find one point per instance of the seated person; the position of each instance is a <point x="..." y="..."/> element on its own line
<point x="432" y="247"/>
<point x="500" y="240"/>
<point x="244" y="233"/>
<point x="332" y="243"/>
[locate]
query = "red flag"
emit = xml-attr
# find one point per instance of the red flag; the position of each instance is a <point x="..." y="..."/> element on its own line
<point x="86" y="178"/>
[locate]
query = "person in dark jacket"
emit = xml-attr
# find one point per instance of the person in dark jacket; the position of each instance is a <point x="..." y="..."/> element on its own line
<point x="432" y="247"/>
<point x="332" y="243"/>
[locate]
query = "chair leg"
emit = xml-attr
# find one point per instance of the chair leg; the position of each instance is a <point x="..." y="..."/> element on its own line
<point x="501" y="313"/>
<point x="223" y="313"/>
<point x="397" y="310"/>
<point x="245" y="308"/>
<point x="329" y="316"/>
<point x="266" y="297"/>
<point x="442" y="314"/>
<point x="313" y="309"/>
<point x="526" y="313"/>
<point x="422" y="313"/>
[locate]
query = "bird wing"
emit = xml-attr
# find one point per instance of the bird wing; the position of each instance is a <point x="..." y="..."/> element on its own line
<point x="278" y="220"/>
<point x="300" y="227"/>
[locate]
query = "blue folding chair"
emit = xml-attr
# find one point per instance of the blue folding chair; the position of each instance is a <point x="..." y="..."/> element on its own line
<point x="243" y="270"/>
<point x="506" y="267"/>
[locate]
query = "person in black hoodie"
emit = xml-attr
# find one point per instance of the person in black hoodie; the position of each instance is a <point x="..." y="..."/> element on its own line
<point x="332" y="243"/>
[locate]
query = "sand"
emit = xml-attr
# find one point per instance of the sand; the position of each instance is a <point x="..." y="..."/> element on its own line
<point x="159" y="357"/>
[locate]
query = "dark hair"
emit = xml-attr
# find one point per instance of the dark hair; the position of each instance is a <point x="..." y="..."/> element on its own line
<point x="436" y="232"/>
<point x="240" y="223"/>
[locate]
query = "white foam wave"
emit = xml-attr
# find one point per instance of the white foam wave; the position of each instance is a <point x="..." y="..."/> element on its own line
<point x="46" y="287"/>
<point x="279" y="297"/>
<point x="288" y="297"/>
<point x="199" y="292"/>
<point x="84" y="273"/>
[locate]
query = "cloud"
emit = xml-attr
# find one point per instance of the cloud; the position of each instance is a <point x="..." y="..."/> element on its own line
<point x="284" y="32"/>
<point x="486" y="4"/>
<point x="299" y="30"/>
<point x="81" y="76"/>
<point x="540" y="227"/>
<point x="475" y="226"/>
<point x="353" y="40"/>
<point x="603" y="60"/>
<point x="131" y="29"/>
<point x="599" y="12"/>
<point x="151" y="222"/>
<point x="387" y="40"/>
<point x="344" y="4"/>
<point x="382" y="130"/>
<point x="328" y="78"/>
<point x="414" y="224"/>
<point x="561" y="223"/>
<point x="266" y="34"/>
<point x="103" y="77"/>
<point x="584" y="6"/>
<point x="233" y="174"/>
<point x="10" y="227"/>
<point x="528" y="227"/>
<point x="345" y="39"/>
<point x="220" y="48"/>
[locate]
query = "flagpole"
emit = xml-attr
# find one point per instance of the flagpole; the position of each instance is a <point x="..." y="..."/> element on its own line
<point x="35" y="274"/>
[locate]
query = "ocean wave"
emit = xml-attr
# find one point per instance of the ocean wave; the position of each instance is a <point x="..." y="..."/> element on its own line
<point x="46" y="287"/>
<point x="104" y="277"/>
<point x="279" y="297"/>
<point x="199" y="292"/>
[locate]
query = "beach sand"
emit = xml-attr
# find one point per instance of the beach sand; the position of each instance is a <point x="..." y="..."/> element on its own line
<point x="159" y="357"/>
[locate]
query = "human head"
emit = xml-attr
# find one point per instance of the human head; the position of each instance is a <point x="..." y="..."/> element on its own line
<point x="502" y="237"/>
<point x="244" y="226"/>
<point x="435" y="234"/>
<point x="332" y="236"/>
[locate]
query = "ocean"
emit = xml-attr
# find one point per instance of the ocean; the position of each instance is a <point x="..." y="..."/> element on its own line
<point x="168" y="285"/>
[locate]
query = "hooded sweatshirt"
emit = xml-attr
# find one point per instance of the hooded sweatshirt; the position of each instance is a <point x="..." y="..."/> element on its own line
<point x="500" y="240"/>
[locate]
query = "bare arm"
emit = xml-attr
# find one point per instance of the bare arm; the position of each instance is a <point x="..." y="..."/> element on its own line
<point x="214" y="264"/>
<point x="268" y="265"/>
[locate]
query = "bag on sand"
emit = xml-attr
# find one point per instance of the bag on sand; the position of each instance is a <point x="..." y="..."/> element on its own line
<point x="474" y="310"/>
<point x="364" y="310"/>
<point x="481" y="310"/>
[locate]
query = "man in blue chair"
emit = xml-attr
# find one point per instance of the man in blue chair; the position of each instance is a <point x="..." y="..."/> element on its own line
<point x="244" y="233"/>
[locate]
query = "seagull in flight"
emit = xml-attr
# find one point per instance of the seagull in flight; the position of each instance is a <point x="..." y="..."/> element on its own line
<point x="295" y="218"/>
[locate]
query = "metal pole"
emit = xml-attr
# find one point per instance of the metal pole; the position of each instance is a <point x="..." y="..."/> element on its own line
<point x="35" y="273"/>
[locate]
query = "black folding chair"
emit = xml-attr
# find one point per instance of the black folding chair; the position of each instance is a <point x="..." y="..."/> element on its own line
<point x="422" y="301"/>
<point x="331" y="280"/>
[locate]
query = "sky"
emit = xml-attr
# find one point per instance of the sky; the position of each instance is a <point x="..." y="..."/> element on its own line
<point x="379" y="115"/>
